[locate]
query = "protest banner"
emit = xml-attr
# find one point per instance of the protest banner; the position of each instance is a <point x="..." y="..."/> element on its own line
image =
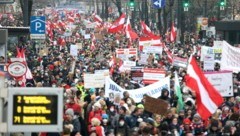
<point x="216" y="51"/>
<point x="151" y="75"/>
<point x="230" y="58"/>
<point x="94" y="80"/>
<point x="74" y="50"/>
<point x="222" y="81"/>
<point x="154" y="90"/>
<point x="137" y="73"/>
<point x="150" y="106"/>
<point x="218" y="44"/>
<point x="125" y="54"/>
<point x="179" y="62"/>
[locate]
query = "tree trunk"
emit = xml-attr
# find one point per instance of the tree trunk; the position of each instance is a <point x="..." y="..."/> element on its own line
<point x="106" y="10"/>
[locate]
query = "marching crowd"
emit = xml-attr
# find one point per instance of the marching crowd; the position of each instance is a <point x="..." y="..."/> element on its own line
<point x="88" y="112"/>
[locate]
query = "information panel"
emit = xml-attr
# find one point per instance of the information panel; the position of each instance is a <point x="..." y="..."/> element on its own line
<point x="35" y="110"/>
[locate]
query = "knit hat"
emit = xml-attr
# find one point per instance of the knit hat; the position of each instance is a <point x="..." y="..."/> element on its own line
<point x="69" y="112"/>
<point x="91" y="90"/>
<point x="104" y="116"/>
<point x="187" y="121"/>
<point x="197" y="116"/>
<point x="140" y="106"/>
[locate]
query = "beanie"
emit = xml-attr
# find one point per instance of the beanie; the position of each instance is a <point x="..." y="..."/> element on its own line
<point x="69" y="112"/>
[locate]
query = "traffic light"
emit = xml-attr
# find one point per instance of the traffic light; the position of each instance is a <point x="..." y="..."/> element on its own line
<point x="131" y="3"/>
<point x="186" y="3"/>
<point x="222" y="3"/>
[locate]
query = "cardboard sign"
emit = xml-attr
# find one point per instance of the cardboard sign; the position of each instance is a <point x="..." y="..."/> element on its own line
<point x="79" y="45"/>
<point x="180" y="62"/>
<point x="98" y="36"/>
<point x="222" y="81"/>
<point x="156" y="106"/>
<point x="94" y="80"/>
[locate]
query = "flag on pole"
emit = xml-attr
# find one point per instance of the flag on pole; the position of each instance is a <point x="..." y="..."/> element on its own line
<point x="118" y="24"/>
<point x="173" y="33"/>
<point x="208" y="99"/>
<point x="178" y="92"/>
<point x="146" y="30"/>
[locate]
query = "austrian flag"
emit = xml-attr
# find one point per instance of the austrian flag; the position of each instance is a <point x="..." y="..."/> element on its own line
<point x="208" y="99"/>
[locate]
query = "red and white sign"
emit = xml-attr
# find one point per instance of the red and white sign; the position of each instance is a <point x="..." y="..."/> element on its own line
<point x="152" y="75"/>
<point x="17" y="69"/>
<point x="180" y="62"/>
<point x="125" y="54"/>
<point x="149" y="41"/>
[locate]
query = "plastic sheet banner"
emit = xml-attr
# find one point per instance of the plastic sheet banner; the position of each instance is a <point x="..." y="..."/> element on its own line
<point x="115" y="92"/>
<point x="230" y="58"/>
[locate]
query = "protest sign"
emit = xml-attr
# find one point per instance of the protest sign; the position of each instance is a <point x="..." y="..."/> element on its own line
<point x="154" y="90"/>
<point x="87" y="36"/>
<point x="79" y="45"/>
<point x="125" y="54"/>
<point x="222" y="81"/>
<point x="151" y="75"/>
<point x="137" y="73"/>
<point x="74" y="50"/>
<point x="208" y="65"/>
<point x="105" y="72"/>
<point x="91" y="25"/>
<point x="153" y="49"/>
<point x="143" y="59"/>
<point x="230" y="58"/>
<point x="149" y="41"/>
<point x="150" y="106"/>
<point x="179" y="62"/>
<point x="216" y="51"/>
<point x="94" y="80"/>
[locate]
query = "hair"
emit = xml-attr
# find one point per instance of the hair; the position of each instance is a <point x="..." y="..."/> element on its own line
<point x="96" y="121"/>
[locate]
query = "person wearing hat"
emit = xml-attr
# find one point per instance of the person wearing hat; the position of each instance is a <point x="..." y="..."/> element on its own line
<point x="197" y="124"/>
<point x="214" y="129"/>
<point x="236" y="107"/>
<point x="96" y="112"/>
<point x="108" y="129"/>
<point x="186" y="127"/>
<point x="72" y="123"/>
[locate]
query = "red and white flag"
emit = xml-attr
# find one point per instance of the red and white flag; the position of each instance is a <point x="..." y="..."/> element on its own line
<point x="173" y="34"/>
<point x="152" y="41"/>
<point x="97" y="18"/>
<point x="208" y="99"/>
<point x="129" y="32"/>
<point x="118" y="24"/>
<point x="146" y="30"/>
<point x="169" y="54"/>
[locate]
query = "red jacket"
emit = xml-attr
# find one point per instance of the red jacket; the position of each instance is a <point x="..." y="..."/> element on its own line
<point x="95" y="114"/>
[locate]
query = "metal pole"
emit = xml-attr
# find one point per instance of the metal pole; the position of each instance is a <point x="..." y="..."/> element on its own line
<point x="205" y="8"/>
<point x="25" y="13"/>
<point x="159" y="21"/>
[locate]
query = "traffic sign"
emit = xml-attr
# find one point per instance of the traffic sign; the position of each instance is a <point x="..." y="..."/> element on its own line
<point x="38" y="27"/>
<point x="158" y="3"/>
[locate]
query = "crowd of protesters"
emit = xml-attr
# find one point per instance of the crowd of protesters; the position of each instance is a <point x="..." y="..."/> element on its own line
<point x="87" y="112"/>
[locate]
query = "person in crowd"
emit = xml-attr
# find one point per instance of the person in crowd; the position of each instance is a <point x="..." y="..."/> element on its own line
<point x="95" y="128"/>
<point x="72" y="123"/>
<point x="197" y="124"/>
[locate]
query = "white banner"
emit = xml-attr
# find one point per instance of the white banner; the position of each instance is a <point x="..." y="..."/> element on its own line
<point x="74" y="50"/>
<point x="114" y="91"/>
<point x="230" y="58"/>
<point x="222" y="81"/>
<point x="94" y="80"/>
<point x="153" y="49"/>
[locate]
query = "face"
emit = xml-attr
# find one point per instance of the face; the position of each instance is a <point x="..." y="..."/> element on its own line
<point x="69" y="117"/>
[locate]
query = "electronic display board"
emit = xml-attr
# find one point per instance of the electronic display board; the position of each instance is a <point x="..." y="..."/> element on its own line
<point x="35" y="110"/>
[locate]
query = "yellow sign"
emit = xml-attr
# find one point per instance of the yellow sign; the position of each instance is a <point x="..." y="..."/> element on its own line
<point x="35" y="109"/>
